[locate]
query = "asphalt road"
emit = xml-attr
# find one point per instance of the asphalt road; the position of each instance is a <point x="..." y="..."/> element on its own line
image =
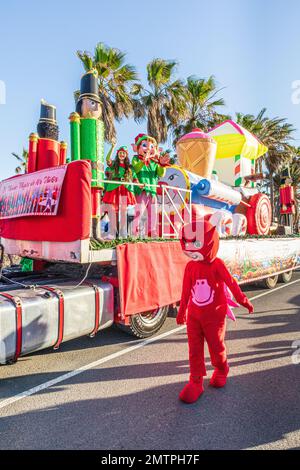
<point x="126" y="397"/>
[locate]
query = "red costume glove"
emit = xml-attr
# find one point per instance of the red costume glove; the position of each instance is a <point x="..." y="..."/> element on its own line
<point x="181" y="317"/>
<point x="247" y="304"/>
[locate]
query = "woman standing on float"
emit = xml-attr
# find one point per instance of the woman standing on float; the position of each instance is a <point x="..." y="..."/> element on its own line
<point x="119" y="196"/>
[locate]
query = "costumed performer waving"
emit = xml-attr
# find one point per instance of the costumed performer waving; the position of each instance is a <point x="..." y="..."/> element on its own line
<point x="149" y="167"/>
<point x="204" y="306"/>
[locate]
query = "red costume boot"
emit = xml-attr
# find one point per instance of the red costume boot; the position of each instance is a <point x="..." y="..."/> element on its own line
<point x="219" y="377"/>
<point x="192" y="390"/>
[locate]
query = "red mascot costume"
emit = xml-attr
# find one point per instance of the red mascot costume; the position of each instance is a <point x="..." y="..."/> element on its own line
<point x="205" y="302"/>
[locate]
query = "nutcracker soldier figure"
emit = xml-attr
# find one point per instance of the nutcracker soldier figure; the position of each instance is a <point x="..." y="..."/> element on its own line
<point x="287" y="199"/>
<point x="45" y="150"/>
<point x="87" y="139"/>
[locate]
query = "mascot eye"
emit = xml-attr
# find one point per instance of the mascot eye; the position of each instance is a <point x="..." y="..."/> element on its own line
<point x="197" y="244"/>
<point x="172" y="177"/>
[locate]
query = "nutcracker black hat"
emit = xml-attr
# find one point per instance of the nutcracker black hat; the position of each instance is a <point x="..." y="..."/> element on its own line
<point x="89" y="86"/>
<point x="285" y="174"/>
<point x="48" y="112"/>
<point x="47" y="127"/>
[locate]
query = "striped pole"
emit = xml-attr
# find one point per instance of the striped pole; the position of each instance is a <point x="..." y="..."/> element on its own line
<point x="253" y="184"/>
<point x="237" y="171"/>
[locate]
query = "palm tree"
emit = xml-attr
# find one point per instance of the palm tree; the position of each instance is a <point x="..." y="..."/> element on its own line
<point x="23" y="161"/>
<point x="201" y="104"/>
<point x="164" y="100"/>
<point x="275" y="133"/>
<point x="118" y="86"/>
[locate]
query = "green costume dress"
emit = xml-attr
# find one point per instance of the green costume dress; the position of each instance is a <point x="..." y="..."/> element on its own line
<point x="113" y="191"/>
<point x="147" y="174"/>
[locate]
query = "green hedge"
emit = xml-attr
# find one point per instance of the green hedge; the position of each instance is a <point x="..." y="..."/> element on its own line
<point x="94" y="245"/>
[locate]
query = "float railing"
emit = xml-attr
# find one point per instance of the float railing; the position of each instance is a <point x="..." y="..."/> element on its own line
<point x="171" y="214"/>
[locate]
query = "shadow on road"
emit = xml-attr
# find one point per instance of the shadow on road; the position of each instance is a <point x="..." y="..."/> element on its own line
<point x="254" y="409"/>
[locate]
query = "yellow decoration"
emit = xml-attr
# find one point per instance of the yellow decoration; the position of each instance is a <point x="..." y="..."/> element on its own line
<point x="233" y="139"/>
<point x="74" y="117"/>
<point x="93" y="71"/>
<point x="33" y="137"/>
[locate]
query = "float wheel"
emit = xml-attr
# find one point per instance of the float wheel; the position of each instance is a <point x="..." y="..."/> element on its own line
<point x="270" y="282"/>
<point x="286" y="277"/>
<point x="259" y="215"/>
<point x="143" y="325"/>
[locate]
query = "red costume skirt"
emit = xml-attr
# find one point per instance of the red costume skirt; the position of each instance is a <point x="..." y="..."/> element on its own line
<point x="113" y="197"/>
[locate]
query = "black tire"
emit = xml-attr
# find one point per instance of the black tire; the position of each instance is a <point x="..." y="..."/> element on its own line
<point x="270" y="282"/>
<point x="143" y="325"/>
<point x="286" y="277"/>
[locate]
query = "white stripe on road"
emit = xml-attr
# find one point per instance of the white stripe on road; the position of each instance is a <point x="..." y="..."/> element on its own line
<point x="69" y="375"/>
<point x="274" y="290"/>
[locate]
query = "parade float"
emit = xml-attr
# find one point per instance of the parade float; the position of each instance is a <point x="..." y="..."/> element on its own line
<point x="81" y="281"/>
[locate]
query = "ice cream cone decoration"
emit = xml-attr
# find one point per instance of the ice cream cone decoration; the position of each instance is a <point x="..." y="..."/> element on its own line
<point x="197" y="152"/>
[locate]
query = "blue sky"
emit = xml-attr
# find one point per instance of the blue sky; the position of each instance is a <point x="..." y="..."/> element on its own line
<point x="250" y="46"/>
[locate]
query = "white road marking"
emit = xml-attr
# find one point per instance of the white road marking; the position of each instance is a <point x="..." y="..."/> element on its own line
<point x="89" y="366"/>
<point x="80" y="370"/>
<point x="274" y="290"/>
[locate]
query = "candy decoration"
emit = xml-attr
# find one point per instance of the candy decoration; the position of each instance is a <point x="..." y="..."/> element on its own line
<point x="259" y="215"/>
<point x="237" y="149"/>
<point x="233" y="139"/>
<point x="217" y="191"/>
<point x="222" y="220"/>
<point x="239" y="225"/>
<point x="237" y="171"/>
<point x="253" y="172"/>
<point x="199" y="212"/>
<point x="196" y="152"/>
